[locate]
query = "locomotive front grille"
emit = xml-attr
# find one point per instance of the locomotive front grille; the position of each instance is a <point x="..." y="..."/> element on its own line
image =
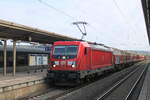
<point x="63" y="75"/>
<point x="62" y="63"/>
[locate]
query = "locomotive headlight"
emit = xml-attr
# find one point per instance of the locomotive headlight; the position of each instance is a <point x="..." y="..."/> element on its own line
<point x="72" y="64"/>
<point x="54" y="65"/>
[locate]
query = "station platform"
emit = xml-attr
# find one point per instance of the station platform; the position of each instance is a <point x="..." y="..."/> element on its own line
<point x="22" y="84"/>
<point x="145" y="92"/>
<point x="20" y="80"/>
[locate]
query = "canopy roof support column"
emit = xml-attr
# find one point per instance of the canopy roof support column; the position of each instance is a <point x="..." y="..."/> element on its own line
<point x="14" y="57"/>
<point x="5" y="58"/>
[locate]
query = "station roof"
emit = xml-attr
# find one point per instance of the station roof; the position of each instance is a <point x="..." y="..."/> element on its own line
<point x="25" y="49"/>
<point x="146" y="10"/>
<point x="10" y="30"/>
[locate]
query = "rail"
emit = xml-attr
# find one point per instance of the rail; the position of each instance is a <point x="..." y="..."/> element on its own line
<point x="108" y="92"/>
<point x="135" y="84"/>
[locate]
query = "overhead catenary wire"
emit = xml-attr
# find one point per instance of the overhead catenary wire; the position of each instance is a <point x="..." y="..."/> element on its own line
<point x="75" y="19"/>
<point x="123" y="15"/>
<point x="58" y="10"/>
<point x="136" y="26"/>
<point x="128" y="22"/>
<point x="125" y="19"/>
<point x="64" y="13"/>
<point x="91" y="26"/>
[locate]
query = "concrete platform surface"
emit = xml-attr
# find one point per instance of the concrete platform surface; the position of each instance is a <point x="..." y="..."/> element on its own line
<point x="145" y="92"/>
<point x="21" y="78"/>
<point x="21" y="85"/>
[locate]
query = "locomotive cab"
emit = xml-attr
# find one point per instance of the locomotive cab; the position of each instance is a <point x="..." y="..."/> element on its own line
<point x="73" y="61"/>
<point x="64" y="64"/>
<point x="64" y="56"/>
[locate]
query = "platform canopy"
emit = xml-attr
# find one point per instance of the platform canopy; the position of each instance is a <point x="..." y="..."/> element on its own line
<point x="10" y="30"/>
<point x="146" y="10"/>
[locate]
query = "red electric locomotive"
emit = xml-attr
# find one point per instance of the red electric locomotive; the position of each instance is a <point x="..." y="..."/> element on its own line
<point x="72" y="61"/>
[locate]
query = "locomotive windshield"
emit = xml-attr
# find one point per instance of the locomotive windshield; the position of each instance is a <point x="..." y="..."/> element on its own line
<point x="65" y="51"/>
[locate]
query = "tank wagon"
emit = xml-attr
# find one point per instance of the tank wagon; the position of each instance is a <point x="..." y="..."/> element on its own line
<point x="73" y="61"/>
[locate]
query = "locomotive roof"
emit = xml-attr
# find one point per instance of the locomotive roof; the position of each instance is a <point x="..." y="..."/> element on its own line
<point x="96" y="46"/>
<point x="87" y="44"/>
<point x="67" y="42"/>
<point x="100" y="47"/>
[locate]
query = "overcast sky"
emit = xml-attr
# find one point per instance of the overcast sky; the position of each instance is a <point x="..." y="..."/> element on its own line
<point x="116" y="23"/>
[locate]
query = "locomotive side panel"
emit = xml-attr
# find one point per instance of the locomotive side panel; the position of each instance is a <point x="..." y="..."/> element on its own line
<point x="86" y="59"/>
<point x="100" y="59"/>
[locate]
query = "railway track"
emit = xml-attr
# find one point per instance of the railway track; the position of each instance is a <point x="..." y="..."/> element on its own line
<point x="98" y="87"/>
<point x="44" y="95"/>
<point x="53" y="92"/>
<point x="127" y="88"/>
<point x="58" y="92"/>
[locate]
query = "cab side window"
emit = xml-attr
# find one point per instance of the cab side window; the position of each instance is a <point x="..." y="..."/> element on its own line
<point x="85" y="51"/>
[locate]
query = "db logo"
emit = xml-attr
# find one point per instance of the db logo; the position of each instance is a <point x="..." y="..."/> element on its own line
<point x="62" y="62"/>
